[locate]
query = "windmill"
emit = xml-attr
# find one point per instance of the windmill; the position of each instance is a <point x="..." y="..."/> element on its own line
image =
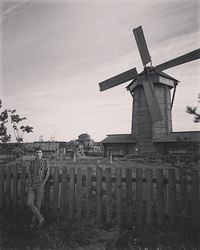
<point x="151" y="113"/>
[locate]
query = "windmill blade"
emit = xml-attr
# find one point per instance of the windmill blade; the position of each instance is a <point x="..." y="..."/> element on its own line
<point x="142" y="46"/>
<point x="118" y="79"/>
<point x="191" y="56"/>
<point x="152" y="101"/>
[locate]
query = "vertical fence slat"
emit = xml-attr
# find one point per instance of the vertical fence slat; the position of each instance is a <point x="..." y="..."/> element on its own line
<point x="160" y="196"/>
<point x="15" y="185"/>
<point x="149" y="196"/>
<point x="183" y="191"/>
<point x="1" y="187"/>
<point x="64" y="192"/>
<point x="128" y="196"/>
<point x="195" y="195"/>
<point x="119" y="194"/>
<point x="8" y="187"/>
<point x="89" y="191"/>
<point x="22" y="186"/>
<point x="79" y="193"/>
<point x="172" y="195"/>
<point x="139" y="197"/>
<point x="56" y="191"/>
<point x="47" y="200"/>
<point x="108" y="196"/>
<point x="99" y="194"/>
<point x="71" y="192"/>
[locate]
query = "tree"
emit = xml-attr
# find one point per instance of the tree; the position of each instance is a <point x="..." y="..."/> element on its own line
<point x="193" y="111"/>
<point x="9" y="116"/>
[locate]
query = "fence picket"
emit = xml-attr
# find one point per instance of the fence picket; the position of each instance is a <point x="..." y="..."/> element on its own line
<point x="149" y="196"/>
<point x="129" y="196"/>
<point x="172" y="195"/>
<point x="79" y="193"/>
<point x="56" y="191"/>
<point x="183" y="191"/>
<point x="160" y="197"/>
<point x="2" y="187"/>
<point x="47" y="200"/>
<point x="15" y="186"/>
<point x="99" y="194"/>
<point x="71" y="192"/>
<point x="119" y="194"/>
<point x="89" y="191"/>
<point x="64" y="192"/>
<point x="195" y="195"/>
<point x="22" y="187"/>
<point x="139" y="197"/>
<point x="8" y="188"/>
<point x="108" y="196"/>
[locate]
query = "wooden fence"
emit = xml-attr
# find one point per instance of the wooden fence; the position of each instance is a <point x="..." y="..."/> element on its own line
<point x="124" y="193"/>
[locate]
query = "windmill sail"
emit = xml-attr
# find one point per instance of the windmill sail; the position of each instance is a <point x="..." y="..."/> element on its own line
<point x="118" y="79"/>
<point x="152" y="101"/>
<point x="191" y="56"/>
<point x="142" y="46"/>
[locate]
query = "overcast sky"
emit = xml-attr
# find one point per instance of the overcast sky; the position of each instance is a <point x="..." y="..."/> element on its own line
<point x="54" y="53"/>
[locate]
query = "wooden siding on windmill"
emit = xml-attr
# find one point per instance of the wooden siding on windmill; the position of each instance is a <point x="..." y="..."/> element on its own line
<point x="141" y="120"/>
<point x="164" y="127"/>
<point x="142" y="127"/>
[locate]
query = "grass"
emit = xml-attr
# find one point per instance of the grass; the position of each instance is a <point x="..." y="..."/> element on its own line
<point x="15" y="234"/>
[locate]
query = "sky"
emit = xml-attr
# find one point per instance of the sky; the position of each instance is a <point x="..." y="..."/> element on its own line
<point x="54" y="54"/>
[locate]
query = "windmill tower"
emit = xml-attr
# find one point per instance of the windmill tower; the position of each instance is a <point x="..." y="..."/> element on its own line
<point x="151" y="92"/>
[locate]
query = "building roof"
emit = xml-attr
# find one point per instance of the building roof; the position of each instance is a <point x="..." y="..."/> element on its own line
<point x="184" y="136"/>
<point x="119" y="138"/>
<point x="161" y="73"/>
<point x="153" y="72"/>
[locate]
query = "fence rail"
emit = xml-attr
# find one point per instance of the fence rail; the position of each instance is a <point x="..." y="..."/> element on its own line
<point x="125" y="194"/>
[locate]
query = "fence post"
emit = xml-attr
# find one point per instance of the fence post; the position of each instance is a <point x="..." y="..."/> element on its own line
<point x="15" y="186"/>
<point x="64" y="192"/>
<point x="139" y="197"/>
<point x="47" y="200"/>
<point x="195" y="196"/>
<point x="89" y="191"/>
<point x="71" y="192"/>
<point x="160" y="197"/>
<point x="128" y="196"/>
<point x="172" y="195"/>
<point x="149" y="196"/>
<point x="56" y="191"/>
<point x="22" y="186"/>
<point x="183" y="191"/>
<point x="79" y="194"/>
<point x="8" y="188"/>
<point x="99" y="194"/>
<point x="108" y="196"/>
<point x="119" y="194"/>
<point x="1" y="187"/>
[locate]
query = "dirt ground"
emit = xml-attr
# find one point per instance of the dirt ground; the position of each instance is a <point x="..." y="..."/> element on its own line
<point x="15" y="234"/>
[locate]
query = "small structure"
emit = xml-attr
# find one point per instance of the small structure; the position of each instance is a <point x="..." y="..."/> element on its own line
<point x="181" y="145"/>
<point x="119" y="145"/>
<point x="90" y="147"/>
